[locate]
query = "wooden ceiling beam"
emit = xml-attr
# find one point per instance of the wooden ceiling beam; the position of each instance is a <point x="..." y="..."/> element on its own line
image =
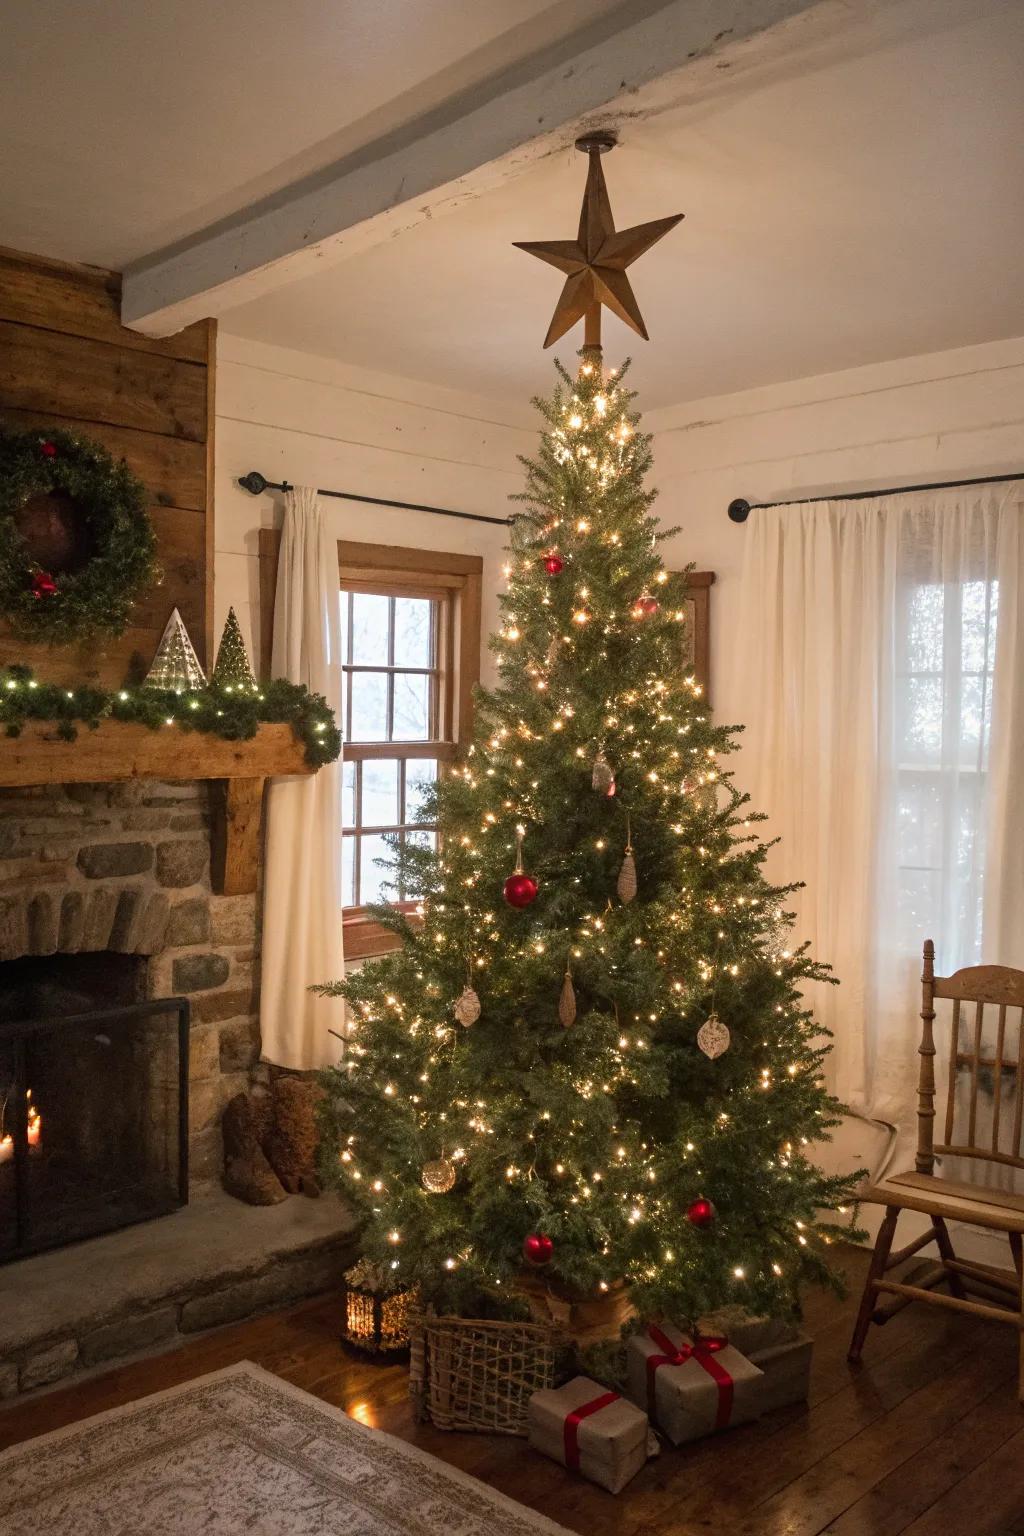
<point x="628" y="63"/>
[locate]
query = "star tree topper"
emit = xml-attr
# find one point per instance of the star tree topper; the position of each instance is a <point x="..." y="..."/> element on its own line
<point x="596" y="261"/>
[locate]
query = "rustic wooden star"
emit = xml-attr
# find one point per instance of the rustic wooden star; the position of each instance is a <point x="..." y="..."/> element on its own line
<point x="596" y="261"/>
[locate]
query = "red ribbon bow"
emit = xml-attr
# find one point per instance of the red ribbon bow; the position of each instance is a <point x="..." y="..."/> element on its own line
<point x="703" y="1350"/>
<point x="573" y="1421"/>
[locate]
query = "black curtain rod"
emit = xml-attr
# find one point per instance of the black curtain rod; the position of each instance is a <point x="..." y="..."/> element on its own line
<point x="256" y="483"/>
<point x="740" y="509"/>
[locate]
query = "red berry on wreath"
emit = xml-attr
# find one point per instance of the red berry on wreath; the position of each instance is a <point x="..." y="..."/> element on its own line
<point x="43" y="584"/>
<point x="701" y="1213"/>
<point x="554" y="564"/>
<point x="538" y="1249"/>
<point x="48" y="449"/>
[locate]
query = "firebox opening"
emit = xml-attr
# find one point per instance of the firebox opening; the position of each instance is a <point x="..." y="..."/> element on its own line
<point x="93" y="1099"/>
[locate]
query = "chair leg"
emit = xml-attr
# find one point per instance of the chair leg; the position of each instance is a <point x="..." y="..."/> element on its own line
<point x="946" y="1251"/>
<point x="876" y="1270"/>
<point x="1017" y="1249"/>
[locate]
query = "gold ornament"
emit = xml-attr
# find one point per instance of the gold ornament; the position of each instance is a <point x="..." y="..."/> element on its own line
<point x="438" y="1176"/>
<point x="626" y="885"/>
<point x="713" y="1037"/>
<point x="467" y="1007"/>
<point x="602" y="778"/>
<point x="567" y="1001"/>
<point x="595" y="262"/>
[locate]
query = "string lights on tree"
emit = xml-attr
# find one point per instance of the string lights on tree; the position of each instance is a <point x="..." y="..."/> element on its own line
<point x="612" y="1148"/>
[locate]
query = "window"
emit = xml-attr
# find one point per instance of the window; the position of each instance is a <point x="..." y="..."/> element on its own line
<point x="410" y="622"/>
<point x="945" y="654"/>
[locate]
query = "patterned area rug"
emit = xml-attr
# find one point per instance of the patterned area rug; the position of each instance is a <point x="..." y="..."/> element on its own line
<point x="242" y="1453"/>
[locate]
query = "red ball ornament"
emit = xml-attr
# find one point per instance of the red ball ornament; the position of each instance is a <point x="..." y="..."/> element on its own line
<point x="645" y="606"/>
<point x="43" y="584"/>
<point x="48" y="449"/>
<point x="554" y="564"/>
<point x="520" y="889"/>
<point x="537" y="1249"/>
<point x="701" y="1213"/>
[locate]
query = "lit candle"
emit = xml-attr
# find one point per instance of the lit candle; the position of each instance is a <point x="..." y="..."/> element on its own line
<point x="6" y="1148"/>
<point x="34" y="1128"/>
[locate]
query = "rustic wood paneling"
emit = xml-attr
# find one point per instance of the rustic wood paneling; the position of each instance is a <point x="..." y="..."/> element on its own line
<point x="66" y="360"/>
<point x="100" y="381"/>
<point x="81" y="301"/>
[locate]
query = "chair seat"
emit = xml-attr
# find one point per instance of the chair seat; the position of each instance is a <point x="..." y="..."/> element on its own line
<point x="973" y="1203"/>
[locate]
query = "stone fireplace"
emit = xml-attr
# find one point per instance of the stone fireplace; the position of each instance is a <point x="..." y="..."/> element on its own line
<point x="111" y="884"/>
<point x="106" y="900"/>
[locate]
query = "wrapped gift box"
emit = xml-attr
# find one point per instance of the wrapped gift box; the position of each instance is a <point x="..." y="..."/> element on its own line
<point x="775" y="1345"/>
<point x="591" y="1430"/>
<point x="691" y="1389"/>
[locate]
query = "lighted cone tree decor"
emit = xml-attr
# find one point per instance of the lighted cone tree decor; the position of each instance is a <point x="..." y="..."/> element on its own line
<point x="231" y="670"/>
<point x="582" y="1124"/>
<point x="175" y="665"/>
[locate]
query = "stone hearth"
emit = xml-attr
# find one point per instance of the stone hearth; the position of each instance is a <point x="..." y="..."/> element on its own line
<point x="126" y="868"/>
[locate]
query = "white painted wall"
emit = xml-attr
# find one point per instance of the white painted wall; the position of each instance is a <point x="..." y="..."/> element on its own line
<point x="312" y="421"/>
<point x="941" y="416"/>
<point x="292" y="415"/>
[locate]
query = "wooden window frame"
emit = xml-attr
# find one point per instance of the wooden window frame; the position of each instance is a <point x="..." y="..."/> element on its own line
<point x="455" y="578"/>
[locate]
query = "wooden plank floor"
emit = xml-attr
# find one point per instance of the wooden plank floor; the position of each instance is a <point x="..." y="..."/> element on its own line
<point x="925" y="1439"/>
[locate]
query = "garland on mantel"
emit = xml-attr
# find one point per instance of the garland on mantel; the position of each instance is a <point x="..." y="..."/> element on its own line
<point x="233" y="714"/>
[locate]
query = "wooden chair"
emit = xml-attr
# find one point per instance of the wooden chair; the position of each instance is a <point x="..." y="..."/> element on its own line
<point x="946" y="1199"/>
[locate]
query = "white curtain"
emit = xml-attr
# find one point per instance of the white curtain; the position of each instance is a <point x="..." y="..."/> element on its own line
<point x="879" y="671"/>
<point x="302" y="926"/>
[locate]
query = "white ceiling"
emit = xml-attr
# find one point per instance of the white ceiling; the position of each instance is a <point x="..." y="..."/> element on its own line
<point x="867" y="206"/>
<point x="126" y="125"/>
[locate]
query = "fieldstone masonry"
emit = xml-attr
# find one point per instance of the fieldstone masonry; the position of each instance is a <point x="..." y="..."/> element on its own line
<point x="126" y="867"/>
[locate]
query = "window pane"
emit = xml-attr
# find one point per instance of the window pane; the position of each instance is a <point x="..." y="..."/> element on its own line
<point x="423" y="839"/>
<point x="921" y="719"/>
<point x="348" y="794"/>
<point x="979" y="615"/>
<point x="369" y="705"/>
<point x="420" y="774"/>
<point x="348" y="872"/>
<point x="371" y="879"/>
<point x="924" y="629"/>
<point x="413" y="627"/>
<point x="370" y="629"/>
<point x="380" y="793"/>
<point x="412" y="707"/>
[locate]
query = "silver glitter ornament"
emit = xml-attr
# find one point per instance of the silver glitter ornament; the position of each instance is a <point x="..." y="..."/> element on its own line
<point x="438" y="1176"/>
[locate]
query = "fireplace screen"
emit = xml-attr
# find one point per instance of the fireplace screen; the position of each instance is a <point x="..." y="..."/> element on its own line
<point x="93" y="1121"/>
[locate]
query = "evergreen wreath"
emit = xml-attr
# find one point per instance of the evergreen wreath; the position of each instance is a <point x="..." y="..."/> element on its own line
<point x="111" y="500"/>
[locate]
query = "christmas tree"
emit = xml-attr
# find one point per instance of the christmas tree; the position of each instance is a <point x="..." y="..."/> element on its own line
<point x="590" y="1053"/>
<point x="175" y="665"/>
<point x="231" y="670"/>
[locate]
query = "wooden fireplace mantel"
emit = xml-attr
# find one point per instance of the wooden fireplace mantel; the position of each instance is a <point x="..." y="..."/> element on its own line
<point x="114" y="752"/>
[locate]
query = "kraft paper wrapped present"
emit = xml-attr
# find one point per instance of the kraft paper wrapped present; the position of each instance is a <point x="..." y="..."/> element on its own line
<point x="775" y="1345"/>
<point x="590" y="1430"/>
<point x="691" y="1388"/>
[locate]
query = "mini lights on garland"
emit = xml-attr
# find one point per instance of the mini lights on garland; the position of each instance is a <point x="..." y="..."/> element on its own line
<point x="235" y="717"/>
<point x="97" y="596"/>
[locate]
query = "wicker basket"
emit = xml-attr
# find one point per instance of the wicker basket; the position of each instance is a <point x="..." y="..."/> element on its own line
<point x="470" y="1374"/>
